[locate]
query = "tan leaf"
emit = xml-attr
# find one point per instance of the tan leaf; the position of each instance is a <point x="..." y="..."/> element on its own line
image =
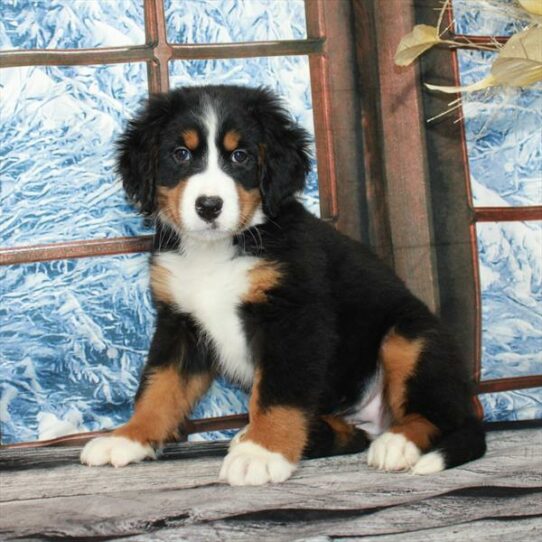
<point x="519" y="63"/>
<point x="532" y="6"/>
<point x="486" y="82"/>
<point x="412" y="45"/>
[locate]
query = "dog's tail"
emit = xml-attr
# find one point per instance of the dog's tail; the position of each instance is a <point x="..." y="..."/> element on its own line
<point x="331" y="435"/>
<point x="464" y="444"/>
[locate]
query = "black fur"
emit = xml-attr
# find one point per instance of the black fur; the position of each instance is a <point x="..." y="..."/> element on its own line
<point x="318" y="337"/>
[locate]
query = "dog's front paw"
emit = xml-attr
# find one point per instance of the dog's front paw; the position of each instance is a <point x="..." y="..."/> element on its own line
<point x="118" y="451"/>
<point x="393" y="452"/>
<point x="249" y="464"/>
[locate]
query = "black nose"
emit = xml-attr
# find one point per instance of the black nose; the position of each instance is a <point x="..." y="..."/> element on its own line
<point x="209" y="207"/>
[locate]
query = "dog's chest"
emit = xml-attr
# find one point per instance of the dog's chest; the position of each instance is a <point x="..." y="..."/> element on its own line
<point x="210" y="287"/>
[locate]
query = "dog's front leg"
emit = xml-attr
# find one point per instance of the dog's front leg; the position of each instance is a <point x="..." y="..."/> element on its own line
<point x="270" y="447"/>
<point x="177" y="374"/>
<point x="286" y="389"/>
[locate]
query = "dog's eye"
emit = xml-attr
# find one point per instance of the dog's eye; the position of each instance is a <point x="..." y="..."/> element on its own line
<point x="181" y="154"/>
<point x="239" y="156"/>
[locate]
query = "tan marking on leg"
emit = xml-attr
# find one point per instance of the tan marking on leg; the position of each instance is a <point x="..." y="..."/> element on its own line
<point x="169" y="201"/>
<point x="164" y="404"/>
<point x="277" y="428"/>
<point x="399" y="358"/>
<point x="231" y="140"/>
<point x="343" y="430"/>
<point x="262" y="277"/>
<point x="249" y="201"/>
<point x="418" y="430"/>
<point x="161" y="291"/>
<point x="191" y="139"/>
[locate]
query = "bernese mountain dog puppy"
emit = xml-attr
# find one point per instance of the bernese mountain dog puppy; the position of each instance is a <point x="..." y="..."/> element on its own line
<point x="250" y="285"/>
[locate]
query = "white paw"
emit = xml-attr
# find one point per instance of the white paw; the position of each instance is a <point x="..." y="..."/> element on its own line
<point x="393" y="452"/>
<point x="249" y="464"/>
<point x="119" y="451"/>
<point x="429" y="464"/>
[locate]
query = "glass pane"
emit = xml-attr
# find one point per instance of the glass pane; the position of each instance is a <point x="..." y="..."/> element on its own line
<point x="503" y="138"/>
<point x="512" y="405"/>
<point x="288" y="76"/>
<point x="511" y="283"/>
<point x="74" y="335"/>
<point x="222" y="399"/>
<point x="226" y="21"/>
<point x="71" y="24"/>
<point x="489" y="17"/>
<point x="58" y="128"/>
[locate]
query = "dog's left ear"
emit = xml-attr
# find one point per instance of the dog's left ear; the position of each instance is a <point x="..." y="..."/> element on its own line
<point x="138" y="152"/>
<point x="284" y="154"/>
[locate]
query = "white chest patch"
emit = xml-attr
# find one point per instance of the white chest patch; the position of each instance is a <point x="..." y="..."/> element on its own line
<point x="207" y="281"/>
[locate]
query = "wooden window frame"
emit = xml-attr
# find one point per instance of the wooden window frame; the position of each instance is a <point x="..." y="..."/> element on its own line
<point x="419" y="170"/>
<point x="461" y="279"/>
<point x="334" y="100"/>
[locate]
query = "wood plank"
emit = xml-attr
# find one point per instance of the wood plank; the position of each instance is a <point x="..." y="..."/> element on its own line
<point x="488" y="530"/>
<point x="48" y="494"/>
<point x="375" y="205"/>
<point x="256" y="513"/>
<point x="454" y="234"/>
<point x="404" y="153"/>
<point x="344" y="111"/>
<point x="23" y="471"/>
<point x="323" y="124"/>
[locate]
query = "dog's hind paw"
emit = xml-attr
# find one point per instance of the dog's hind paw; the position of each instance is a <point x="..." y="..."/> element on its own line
<point x="393" y="452"/>
<point x="429" y="464"/>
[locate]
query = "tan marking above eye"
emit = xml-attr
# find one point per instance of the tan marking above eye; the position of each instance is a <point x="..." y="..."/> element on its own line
<point x="231" y="140"/>
<point x="191" y="139"/>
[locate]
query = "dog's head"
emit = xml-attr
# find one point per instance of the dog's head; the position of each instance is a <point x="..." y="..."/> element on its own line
<point x="213" y="161"/>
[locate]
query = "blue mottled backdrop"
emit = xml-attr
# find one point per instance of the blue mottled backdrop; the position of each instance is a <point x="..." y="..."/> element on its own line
<point x="504" y="142"/>
<point x="74" y="333"/>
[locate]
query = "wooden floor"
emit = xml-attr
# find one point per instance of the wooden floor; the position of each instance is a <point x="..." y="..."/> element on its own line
<point x="46" y="495"/>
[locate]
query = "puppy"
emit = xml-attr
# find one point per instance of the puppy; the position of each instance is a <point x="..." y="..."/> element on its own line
<point x="250" y="285"/>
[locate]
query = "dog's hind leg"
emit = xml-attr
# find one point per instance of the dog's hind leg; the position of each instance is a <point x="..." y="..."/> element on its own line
<point x="429" y="393"/>
<point x="331" y="435"/>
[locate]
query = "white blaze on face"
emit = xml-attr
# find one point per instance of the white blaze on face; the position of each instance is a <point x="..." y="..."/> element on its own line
<point x="212" y="182"/>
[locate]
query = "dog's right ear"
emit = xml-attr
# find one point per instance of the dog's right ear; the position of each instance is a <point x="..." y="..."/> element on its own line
<point x="138" y="151"/>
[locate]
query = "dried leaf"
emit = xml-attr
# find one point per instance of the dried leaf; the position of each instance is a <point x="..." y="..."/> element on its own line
<point x="486" y="82"/>
<point x="519" y="63"/>
<point x="412" y="45"/>
<point x="532" y="6"/>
